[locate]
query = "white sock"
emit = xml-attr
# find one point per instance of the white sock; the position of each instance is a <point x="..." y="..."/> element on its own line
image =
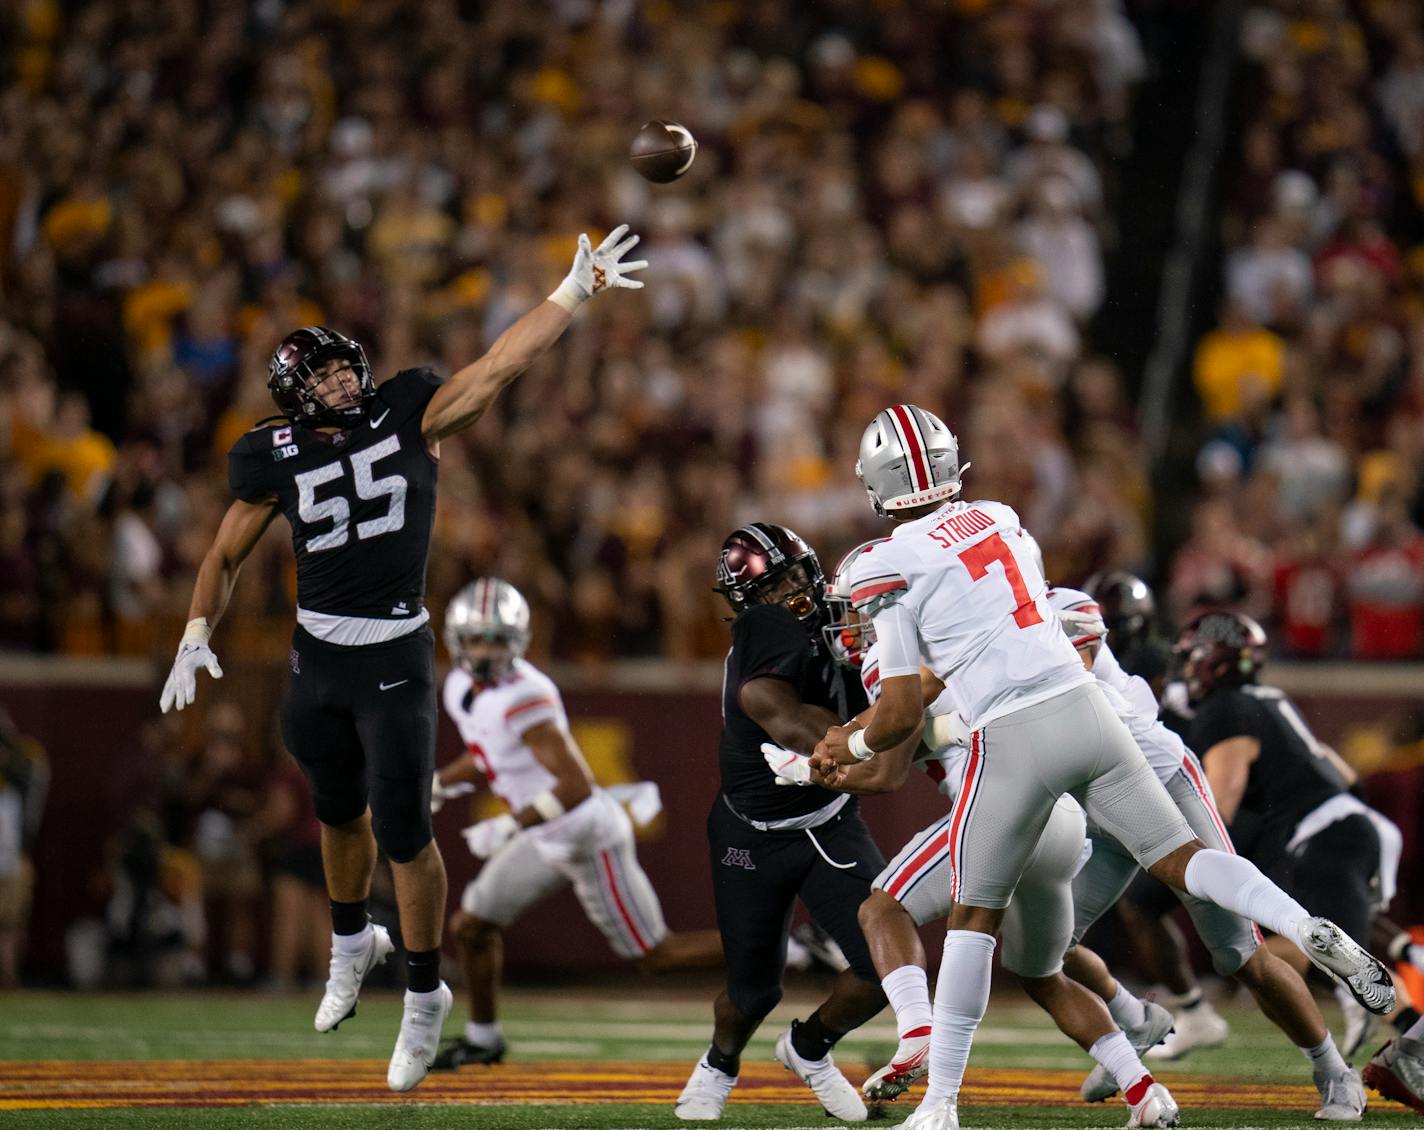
<point x="485" y="1035"/>
<point x="424" y="1000"/>
<point x="1126" y="1010"/>
<point x="1118" y="1058"/>
<point x="1234" y="883"/>
<point x="351" y="944"/>
<point x="908" y="990"/>
<point x="961" y="998"/>
<point x="1325" y="1059"/>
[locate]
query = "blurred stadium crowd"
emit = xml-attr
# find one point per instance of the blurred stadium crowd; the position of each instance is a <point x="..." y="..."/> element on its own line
<point x="888" y="204"/>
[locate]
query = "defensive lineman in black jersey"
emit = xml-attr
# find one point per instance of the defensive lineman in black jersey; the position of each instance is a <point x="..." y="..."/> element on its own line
<point x="353" y="468"/>
<point x="771" y="844"/>
<point x="1273" y="779"/>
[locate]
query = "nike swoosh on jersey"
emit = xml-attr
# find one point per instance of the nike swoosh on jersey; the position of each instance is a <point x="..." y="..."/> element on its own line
<point x="392" y="686"/>
<point x="376" y="423"/>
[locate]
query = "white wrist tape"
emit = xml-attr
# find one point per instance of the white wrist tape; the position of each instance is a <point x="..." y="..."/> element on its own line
<point x="547" y="805"/>
<point x="859" y="749"/>
<point x="567" y="295"/>
<point x="197" y="631"/>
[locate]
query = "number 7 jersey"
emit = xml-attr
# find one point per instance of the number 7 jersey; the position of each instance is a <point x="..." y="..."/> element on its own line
<point x="361" y="502"/>
<point x="962" y="586"/>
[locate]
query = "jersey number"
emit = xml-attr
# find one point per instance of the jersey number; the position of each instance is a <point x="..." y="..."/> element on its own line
<point x="977" y="559"/>
<point x="338" y="509"/>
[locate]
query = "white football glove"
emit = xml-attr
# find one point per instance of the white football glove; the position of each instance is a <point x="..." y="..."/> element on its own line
<point x="790" y="768"/>
<point x="194" y="655"/>
<point x="439" y="793"/>
<point x="488" y="836"/>
<point x="943" y="730"/>
<point x="599" y="268"/>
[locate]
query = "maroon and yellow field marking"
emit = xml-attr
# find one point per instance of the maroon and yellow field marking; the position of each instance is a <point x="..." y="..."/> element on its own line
<point x="70" y="1084"/>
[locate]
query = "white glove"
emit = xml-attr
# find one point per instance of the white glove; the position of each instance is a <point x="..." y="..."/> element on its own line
<point x="598" y="269"/>
<point x="488" y="836"/>
<point x="790" y="768"/>
<point x="439" y="793"/>
<point x="943" y="730"/>
<point x="194" y="654"/>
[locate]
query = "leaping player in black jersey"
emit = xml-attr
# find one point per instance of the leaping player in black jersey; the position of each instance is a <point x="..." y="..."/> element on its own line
<point x="353" y="467"/>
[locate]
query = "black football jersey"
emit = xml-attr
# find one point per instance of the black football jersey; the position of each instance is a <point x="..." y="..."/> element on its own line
<point x="361" y="503"/>
<point x="769" y="642"/>
<point x="1290" y="777"/>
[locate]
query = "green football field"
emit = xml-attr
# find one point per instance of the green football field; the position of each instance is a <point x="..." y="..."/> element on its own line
<point x="579" y="1058"/>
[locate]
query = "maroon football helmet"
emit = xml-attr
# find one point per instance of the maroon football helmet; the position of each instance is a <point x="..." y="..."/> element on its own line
<point x="1220" y="649"/>
<point x="759" y="555"/>
<point x="1127" y="605"/>
<point x="293" y="365"/>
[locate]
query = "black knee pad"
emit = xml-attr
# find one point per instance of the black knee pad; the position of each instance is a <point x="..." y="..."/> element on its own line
<point x="400" y="818"/>
<point x="754" y="1001"/>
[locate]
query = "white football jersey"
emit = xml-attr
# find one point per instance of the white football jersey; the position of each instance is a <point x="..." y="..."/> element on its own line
<point x="493" y="720"/>
<point x="943" y="766"/>
<point x="966" y="577"/>
<point x="1129" y="695"/>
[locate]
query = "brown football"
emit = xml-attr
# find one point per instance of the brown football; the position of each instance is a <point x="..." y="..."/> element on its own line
<point x="663" y="151"/>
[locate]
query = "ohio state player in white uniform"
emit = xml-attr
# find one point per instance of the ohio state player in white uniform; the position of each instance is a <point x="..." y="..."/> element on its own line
<point x="1233" y="942"/>
<point x="956" y="584"/>
<point x="560" y="829"/>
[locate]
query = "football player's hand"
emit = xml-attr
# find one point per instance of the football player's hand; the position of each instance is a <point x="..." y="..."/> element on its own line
<point x="836" y="744"/>
<point x="599" y="268"/>
<point x="182" y="685"/>
<point x="826" y="770"/>
<point x="790" y="768"/>
<point x="488" y="836"/>
<point x="944" y="730"/>
<point x="439" y="793"/>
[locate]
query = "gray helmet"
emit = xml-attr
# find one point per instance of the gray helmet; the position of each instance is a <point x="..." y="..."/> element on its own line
<point x="488" y="608"/>
<point x="908" y="458"/>
<point x="850" y="633"/>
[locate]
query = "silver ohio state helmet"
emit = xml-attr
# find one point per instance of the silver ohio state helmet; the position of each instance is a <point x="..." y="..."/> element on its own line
<point x="850" y="633"/>
<point x="487" y="609"/>
<point x="908" y="458"/>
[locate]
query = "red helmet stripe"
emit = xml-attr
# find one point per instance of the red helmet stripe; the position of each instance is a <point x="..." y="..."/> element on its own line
<point x="914" y="446"/>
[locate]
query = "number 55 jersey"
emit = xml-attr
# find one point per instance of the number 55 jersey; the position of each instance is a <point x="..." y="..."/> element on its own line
<point x="361" y="504"/>
<point x="961" y="589"/>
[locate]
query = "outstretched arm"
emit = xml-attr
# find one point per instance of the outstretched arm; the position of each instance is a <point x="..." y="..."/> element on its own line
<point x="463" y="399"/>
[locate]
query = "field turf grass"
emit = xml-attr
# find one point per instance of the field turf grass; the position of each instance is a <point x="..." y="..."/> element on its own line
<point x="579" y="1059"/>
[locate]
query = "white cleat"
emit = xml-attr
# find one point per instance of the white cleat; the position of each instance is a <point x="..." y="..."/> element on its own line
<point x="1397" y="1072"/>
<point x="1198" y="1027"/>
<point x="910" y="1062"/>
<point x="1155" y="1107"/>
<point x="1342" y="1098"/>
<point x="419" y="1038"/>
<point x="343" y="982"/>
<point x="943" y="1115"/>
<point x="1363" y="975"/>
<point x="706" y="1093"/>
<point x="1100" y="1085"/>
<point x="832" y="1089"/>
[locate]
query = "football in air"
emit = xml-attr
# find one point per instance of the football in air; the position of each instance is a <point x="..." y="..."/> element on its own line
<point x="663" y="151"/>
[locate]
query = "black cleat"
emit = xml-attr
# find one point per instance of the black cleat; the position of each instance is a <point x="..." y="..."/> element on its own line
<point x="459" y="1052"/>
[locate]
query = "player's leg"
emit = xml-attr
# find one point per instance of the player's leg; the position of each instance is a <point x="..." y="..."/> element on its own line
<point x="842" y="861"/>
<point x="755" y="877"/>
<point x="391" y="693"/>
<point x="912" y="890"/>
<point x="322" y="738"/>
<point x="512" y="880"/>
<point x="1038" y="928"/>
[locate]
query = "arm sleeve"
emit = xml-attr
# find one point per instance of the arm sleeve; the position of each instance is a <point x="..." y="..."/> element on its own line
<point x="771" y="644"/>
<point x="898" y="641"/>
<point x="1222" y="718"/>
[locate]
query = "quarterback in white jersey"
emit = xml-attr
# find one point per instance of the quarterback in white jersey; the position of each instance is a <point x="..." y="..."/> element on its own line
<point x="1233" y="942"/>
<point x="561" y="828"/>
<point x="954" y="586"/>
